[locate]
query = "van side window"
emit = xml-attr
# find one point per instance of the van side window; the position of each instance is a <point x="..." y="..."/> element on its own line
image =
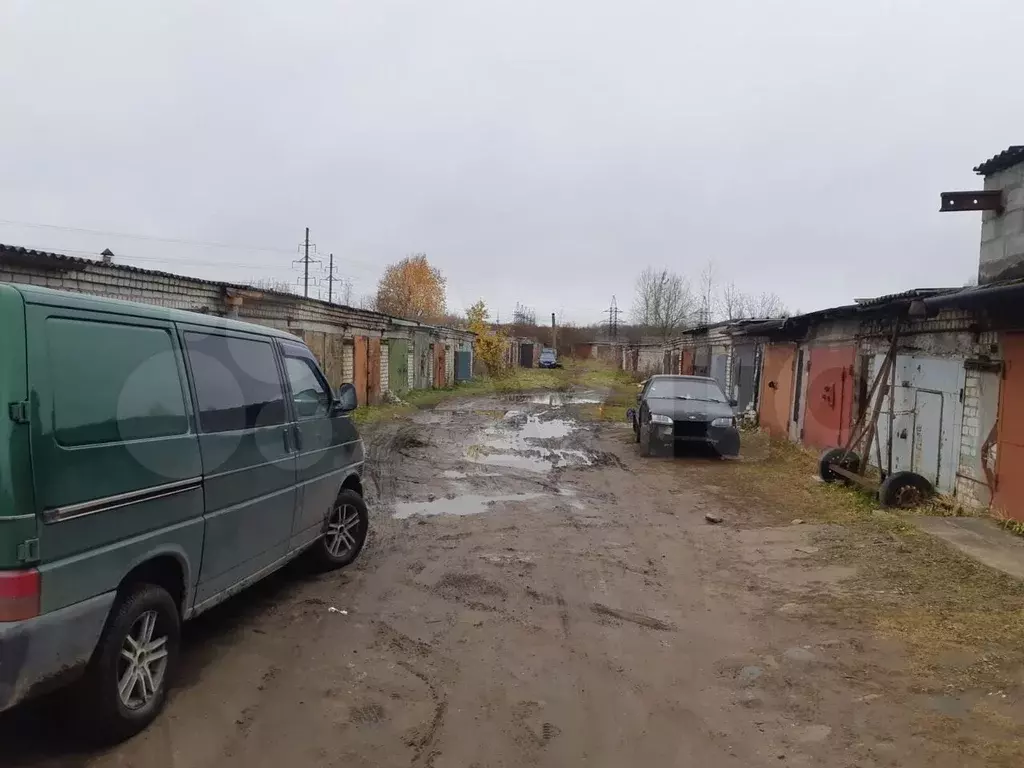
<point x="237" y="382"/>
<point x="310" y="395"/>
<point x="113" y="382"/>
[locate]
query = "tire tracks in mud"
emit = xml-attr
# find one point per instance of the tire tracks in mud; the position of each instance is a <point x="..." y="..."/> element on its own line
<point x="422" y="738"/>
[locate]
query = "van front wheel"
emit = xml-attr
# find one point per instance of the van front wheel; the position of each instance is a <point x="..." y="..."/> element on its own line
<point x="125" y="685"/>
<point x="345" y="531"/>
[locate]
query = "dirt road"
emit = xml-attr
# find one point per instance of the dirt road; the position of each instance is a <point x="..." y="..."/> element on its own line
<point x="536" y="594"/>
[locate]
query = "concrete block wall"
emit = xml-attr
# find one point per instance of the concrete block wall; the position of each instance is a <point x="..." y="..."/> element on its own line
<point x="385" y="378"/>
<point x="1002" y="234"/>
<point x="651" y="360"/>
<point x="449" y="364"/>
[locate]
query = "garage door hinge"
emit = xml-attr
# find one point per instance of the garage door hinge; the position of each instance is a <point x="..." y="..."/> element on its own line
<point x="28" y="551"/>
<point x="19" y="412"/>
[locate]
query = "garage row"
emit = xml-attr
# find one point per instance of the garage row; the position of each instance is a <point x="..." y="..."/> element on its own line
<point x="956" y="408"/>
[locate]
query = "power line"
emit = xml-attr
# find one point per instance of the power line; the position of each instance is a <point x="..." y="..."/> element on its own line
<point x="160" y="239"/>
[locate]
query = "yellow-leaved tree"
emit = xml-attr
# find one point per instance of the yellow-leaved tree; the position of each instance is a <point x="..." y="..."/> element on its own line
<point x="412" y="289"/>
<point x="489" y="345"/>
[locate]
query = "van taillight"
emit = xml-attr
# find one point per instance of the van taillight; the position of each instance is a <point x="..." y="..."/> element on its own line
<point x="19" y="595"/>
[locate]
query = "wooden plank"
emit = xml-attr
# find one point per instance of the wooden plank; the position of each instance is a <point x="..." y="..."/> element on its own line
<point x="853" y="477"/>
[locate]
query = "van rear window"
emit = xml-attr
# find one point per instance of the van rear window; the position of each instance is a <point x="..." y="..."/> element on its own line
<point x="113" y="382"/>
<point x="238" y="385"/>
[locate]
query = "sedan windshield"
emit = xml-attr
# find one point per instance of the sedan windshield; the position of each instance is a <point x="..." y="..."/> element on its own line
<point x="687" y="389"/>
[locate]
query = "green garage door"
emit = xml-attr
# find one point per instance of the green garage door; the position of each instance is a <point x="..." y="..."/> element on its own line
<point x="398" y="365"/>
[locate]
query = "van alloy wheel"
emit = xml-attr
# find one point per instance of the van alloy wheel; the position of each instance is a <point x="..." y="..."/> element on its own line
<point x="345" y="527"/>
<point x="143" y="664"/>
<point x="342" y="529"/>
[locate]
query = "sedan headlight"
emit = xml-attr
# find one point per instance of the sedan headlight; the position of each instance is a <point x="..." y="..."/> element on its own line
<point x="725" y="421"/>
<point x="657" y="418"/>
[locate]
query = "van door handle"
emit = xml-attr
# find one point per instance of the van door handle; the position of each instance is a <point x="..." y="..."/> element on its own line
<point x="298" y="438"/>
<point x="287" y="442"/>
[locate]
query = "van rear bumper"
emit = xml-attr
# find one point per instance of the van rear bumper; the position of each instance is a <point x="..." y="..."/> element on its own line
<point x="41" y="654"/>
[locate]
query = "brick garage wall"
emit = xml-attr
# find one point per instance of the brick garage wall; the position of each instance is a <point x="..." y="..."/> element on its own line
<point x="114" y="282"/>
<point x="327" y="328"/>
<point x="650" y="360"/>
<point x="347" y="363"/>
<point x="385" y="357"/>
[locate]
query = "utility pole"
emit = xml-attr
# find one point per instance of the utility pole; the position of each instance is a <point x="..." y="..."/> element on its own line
<point x="305" y="261"/>
<point x="554" y="333"/>
<point x="613" y="320"/>
<point x="330" y="280"/>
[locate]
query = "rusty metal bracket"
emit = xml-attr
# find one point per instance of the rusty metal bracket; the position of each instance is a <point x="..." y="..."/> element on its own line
<point x="979" y="200"/>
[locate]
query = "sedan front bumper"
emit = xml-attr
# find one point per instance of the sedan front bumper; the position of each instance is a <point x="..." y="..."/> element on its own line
<point x="725" y="440"/>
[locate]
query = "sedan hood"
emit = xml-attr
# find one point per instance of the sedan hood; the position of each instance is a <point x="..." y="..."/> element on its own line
<point x="689" y="410"/>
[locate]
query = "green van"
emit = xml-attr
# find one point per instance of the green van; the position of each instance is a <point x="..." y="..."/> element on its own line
<point x="152" y="463"/>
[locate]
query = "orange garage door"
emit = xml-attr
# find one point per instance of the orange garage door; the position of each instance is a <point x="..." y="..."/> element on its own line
<point x="1009" y="496"/>
<point x="777" y="388"/>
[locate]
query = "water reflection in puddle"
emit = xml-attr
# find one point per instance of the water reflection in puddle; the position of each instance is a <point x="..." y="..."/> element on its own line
<point x="468" y="504"/>
<point x="474" y="503"/>
<point x="555" y="399"/>
<point x="517" y="443"/>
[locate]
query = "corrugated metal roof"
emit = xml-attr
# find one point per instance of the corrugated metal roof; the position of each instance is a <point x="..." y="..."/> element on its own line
<point x="913" y="293"/>
<point x="1008" y="158"/>
<point x="49" y="258"/>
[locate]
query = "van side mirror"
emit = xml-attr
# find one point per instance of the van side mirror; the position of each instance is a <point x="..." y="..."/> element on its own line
<point x="346" y="399"/>
<point x="734" y="402"/>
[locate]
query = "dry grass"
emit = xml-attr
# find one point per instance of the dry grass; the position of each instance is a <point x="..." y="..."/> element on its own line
<point x="961" y="622"/>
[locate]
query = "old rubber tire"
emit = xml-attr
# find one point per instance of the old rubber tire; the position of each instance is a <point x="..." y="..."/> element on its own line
<point x="105" y="716"/>
<point x="835" y="456"/>
<point x="645" y="440"/>
<point x="345" y="530"/>
<point x="904" y="490"/>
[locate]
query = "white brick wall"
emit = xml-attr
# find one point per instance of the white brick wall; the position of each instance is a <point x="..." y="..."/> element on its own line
<point x="347" y="363"/>
<point x="449" y="364"/>
<point x="384" y="357"/>
<point x="411" y="370"/>
<point x="980" y="409"/>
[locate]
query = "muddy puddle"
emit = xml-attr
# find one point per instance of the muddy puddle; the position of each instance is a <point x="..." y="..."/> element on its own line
<point x="527" y="441"/>
<point x="472" y="503"/>
<point x="555" y="399"/>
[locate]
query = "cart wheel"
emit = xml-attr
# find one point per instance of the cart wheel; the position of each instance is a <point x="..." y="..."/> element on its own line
<point x="904" y="490"/>
<point x="835" y="456"/>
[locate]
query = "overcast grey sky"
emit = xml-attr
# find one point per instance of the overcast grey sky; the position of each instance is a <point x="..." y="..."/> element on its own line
<point x="541" y="151"/>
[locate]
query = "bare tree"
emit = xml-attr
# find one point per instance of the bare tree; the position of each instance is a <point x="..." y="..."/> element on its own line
<point x="270" y="284"/>
<point x="368" y="301"/>
<point x="737" y="305"/>
<point x="663" y="302"/>
<point x="346" y="292"/>
<point x="707" y="293"/>
<point x="734" y="302"/>
<point x="765" y="305"/>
